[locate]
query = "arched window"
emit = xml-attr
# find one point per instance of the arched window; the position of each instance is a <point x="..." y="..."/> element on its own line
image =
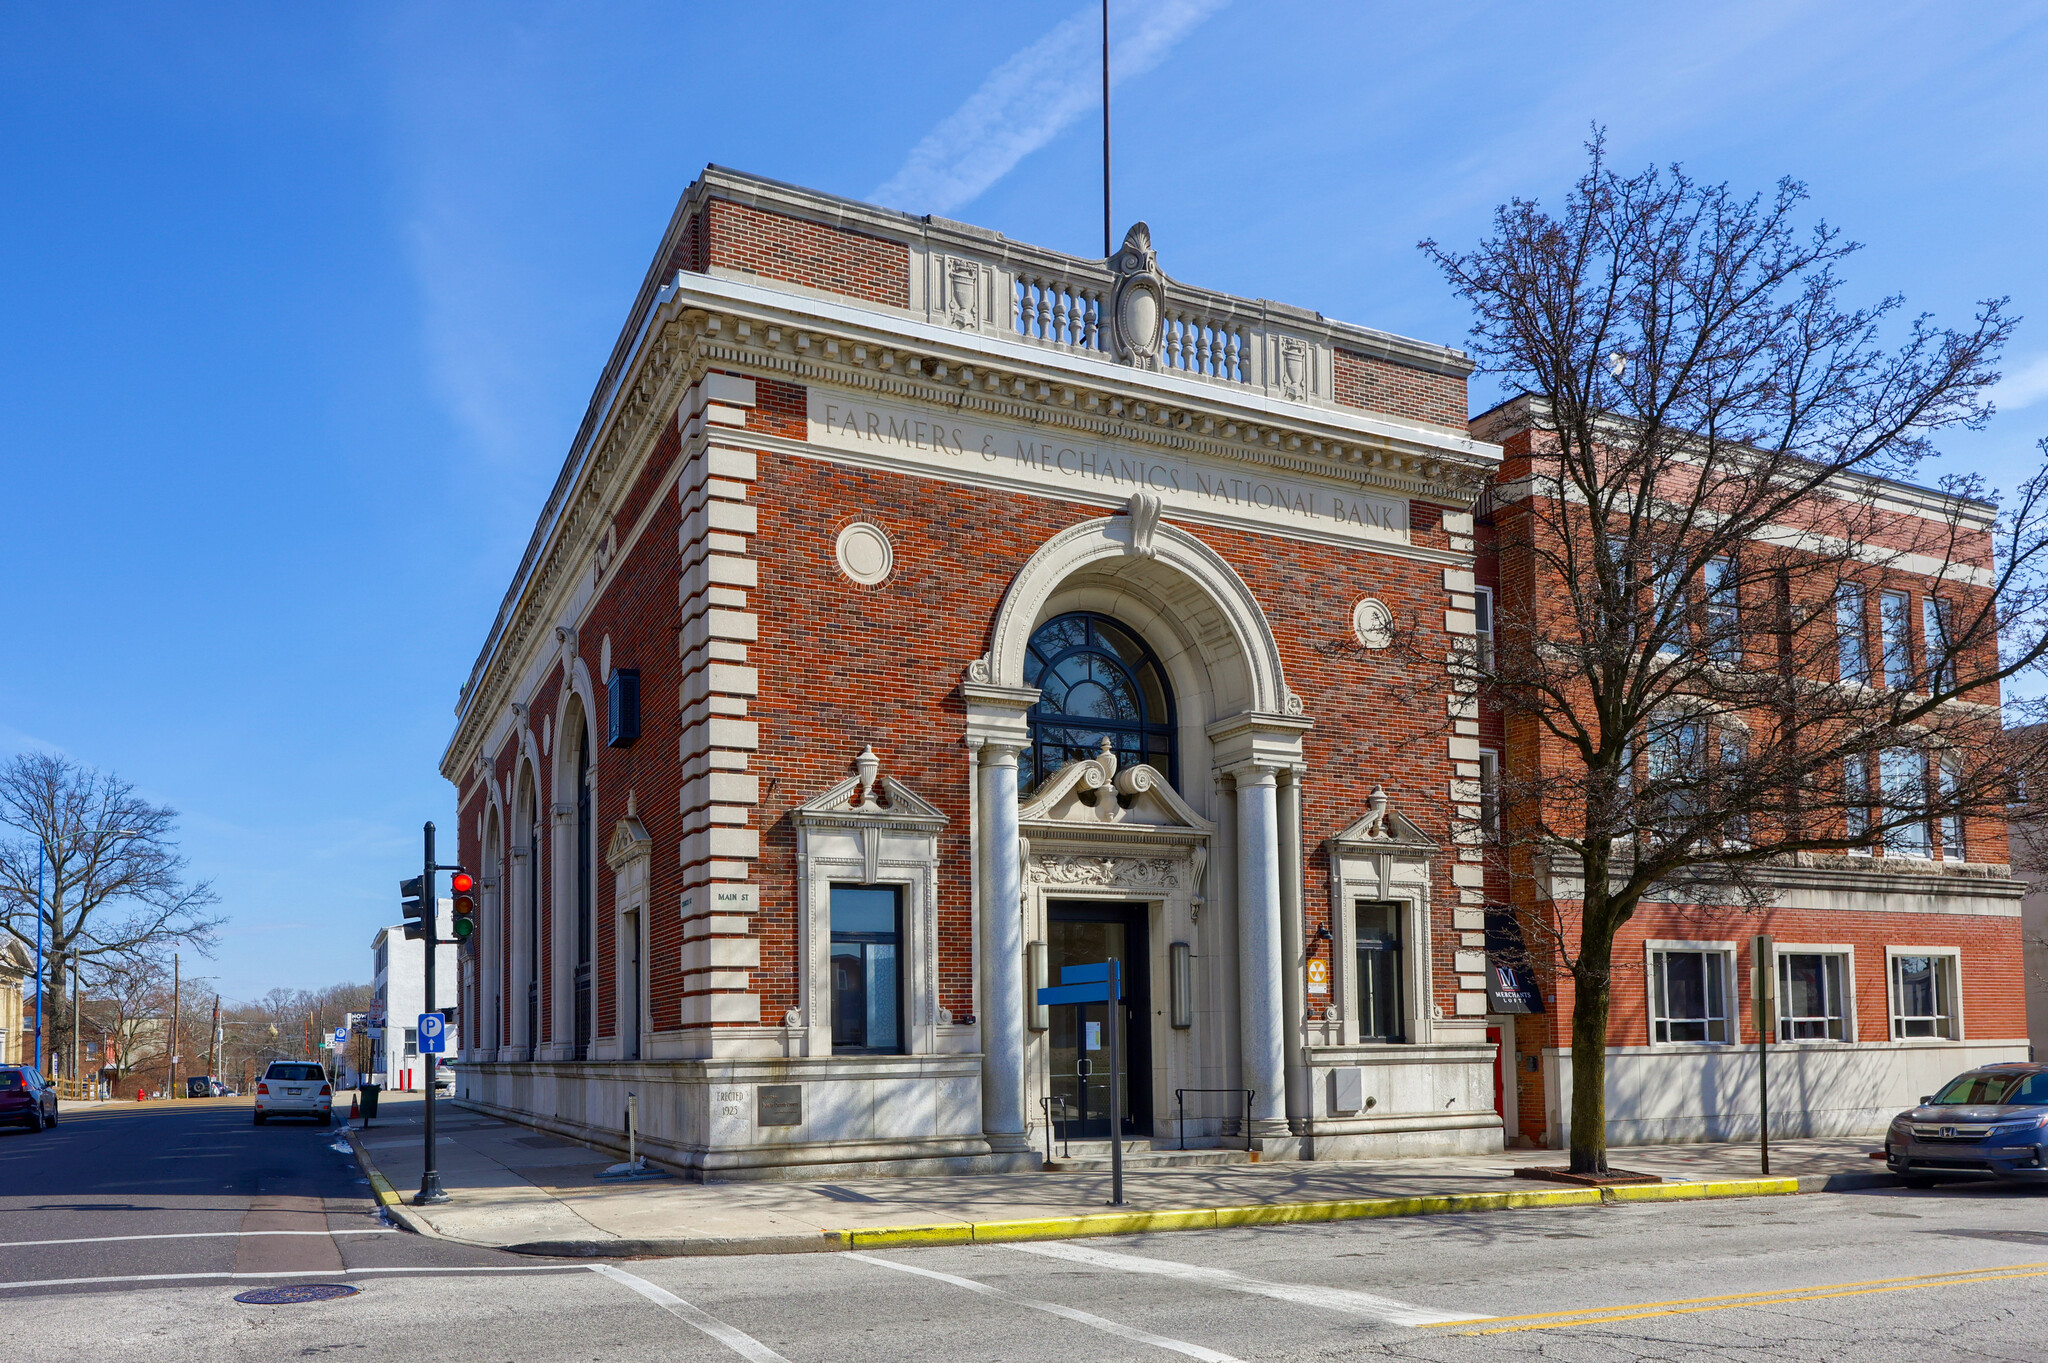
<point x="586" y="837"/>
<point x="1097" y="680"/>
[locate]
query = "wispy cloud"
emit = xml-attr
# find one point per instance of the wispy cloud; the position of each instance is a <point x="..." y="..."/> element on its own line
<point x="1033" y="97"/>
<point x="2024" y="386"/>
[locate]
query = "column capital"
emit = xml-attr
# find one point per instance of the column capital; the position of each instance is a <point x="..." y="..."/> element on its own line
<point x="996" y="714"/>
<point x="1254" y="739"/>
<point x="998" y="752"/>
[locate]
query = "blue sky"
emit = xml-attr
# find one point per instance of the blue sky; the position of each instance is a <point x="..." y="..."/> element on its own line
<point x="301" y="308"/>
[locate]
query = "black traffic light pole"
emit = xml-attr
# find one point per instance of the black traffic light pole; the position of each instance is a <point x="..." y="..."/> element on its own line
<point x="430" y="1178"/>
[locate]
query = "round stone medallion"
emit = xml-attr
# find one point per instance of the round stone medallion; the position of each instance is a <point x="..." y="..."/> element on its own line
<point x="1372" y="623"/>
<point x="865" y="554"/>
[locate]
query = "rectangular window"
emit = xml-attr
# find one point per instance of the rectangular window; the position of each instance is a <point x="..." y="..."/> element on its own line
<point x="1489" y="793"/>
<point x="1856" y="799"/>
<point x="1951" y="777"/>
<point x="1849" y="634"/>
<point x="1722" y="620"/>
<point x="1675" y="755"/>
<point x="412" y="1041"/>
<point x="1923" y="997"/>
<point x="1482" y="626"/>
<point x="1734" y="773"/>
<point x="867" y="986"/>
<point x="1379" y="971"/>
<point x="1895" y="622"/>
<point x="1810" y="997"/>
<point x="1689" y="996"/>
<point x="1671" y="598"/>
<point x="1902" y="775"/>
<point x="1937" y="635"/>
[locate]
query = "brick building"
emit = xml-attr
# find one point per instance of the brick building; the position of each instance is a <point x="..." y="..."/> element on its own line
<point x="919" y="613"/>
<point x="1898" y="966"/>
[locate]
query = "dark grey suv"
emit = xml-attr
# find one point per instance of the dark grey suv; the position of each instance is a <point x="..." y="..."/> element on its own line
<point x="1992" y="1120"/>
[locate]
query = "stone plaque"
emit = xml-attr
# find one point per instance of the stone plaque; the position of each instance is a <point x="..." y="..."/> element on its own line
<point x="779" y="1105"/>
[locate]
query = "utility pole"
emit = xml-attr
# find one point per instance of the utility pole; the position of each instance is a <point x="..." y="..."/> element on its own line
<point x="176" y="982"/>
<point x="76" y="1018"/>
<point x="213" y="1056"/>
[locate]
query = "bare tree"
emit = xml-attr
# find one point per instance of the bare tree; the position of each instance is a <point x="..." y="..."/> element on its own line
<point x="1695" y="528"/>
<point x="111" y="882"/>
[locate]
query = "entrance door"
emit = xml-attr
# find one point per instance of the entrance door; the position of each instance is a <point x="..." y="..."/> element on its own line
<point x="1082" y="933"/>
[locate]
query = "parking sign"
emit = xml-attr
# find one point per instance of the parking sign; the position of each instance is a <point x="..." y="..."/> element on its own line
<point x="433" y="1034"/>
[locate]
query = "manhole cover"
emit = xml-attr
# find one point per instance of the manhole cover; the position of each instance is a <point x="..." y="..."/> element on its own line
<point x="286" y="1296"/>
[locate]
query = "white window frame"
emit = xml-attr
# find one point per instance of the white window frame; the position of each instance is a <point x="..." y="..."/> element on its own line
<point x="1482" y="626"/>
<point x="1914" y="840"/>
<point x="1895" y="647"/>
<point x="1731" y="999"/>
<point x="1852" y="626"/>
<point x="1955" y="842"/>
<point x="1848" y="955"/>
<point x="1856" y="780"/>
<point x="1954" y="957"/>
<point x="1489" y="794"/>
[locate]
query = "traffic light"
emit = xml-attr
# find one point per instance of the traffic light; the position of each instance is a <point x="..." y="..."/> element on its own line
<point x="418" y="912"/>
<point x="465" y="905"/>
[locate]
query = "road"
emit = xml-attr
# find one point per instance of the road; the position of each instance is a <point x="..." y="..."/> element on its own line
<point x="193" y="1189"/>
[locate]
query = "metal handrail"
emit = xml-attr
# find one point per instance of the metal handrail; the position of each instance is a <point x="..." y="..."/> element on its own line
<point x="1068" y="1112"/>
<point x="1181" y="1113"/>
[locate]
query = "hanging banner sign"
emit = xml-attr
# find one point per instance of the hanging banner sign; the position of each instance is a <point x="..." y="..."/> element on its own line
<point x="1510" y="983"/>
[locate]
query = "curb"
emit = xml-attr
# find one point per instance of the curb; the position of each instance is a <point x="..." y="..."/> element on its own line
<point x="387" y="1196"/>
<point x="1153" y="1222"/>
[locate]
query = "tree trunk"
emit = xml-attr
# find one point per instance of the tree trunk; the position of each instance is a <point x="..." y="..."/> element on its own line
<point x="1592" y="995"/>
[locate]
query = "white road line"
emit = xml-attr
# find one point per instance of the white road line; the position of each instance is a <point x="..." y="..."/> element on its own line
<point x="739" y="1341"/>
<point x="1304" y="1294"/>
<point x="303" y="1273"/>
<point x="188" y="1235"/>
<point x="1179" y="1346"/>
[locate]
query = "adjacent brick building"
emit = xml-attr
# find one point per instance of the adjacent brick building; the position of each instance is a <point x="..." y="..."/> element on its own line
<point x="1898" y="966"/>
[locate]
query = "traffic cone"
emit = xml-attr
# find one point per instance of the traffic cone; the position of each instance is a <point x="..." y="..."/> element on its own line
<point x="355" y="1106"/>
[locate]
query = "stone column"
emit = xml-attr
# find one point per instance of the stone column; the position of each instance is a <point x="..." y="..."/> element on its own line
<point x="1260" y="992"/>
<point x="1002" y="954"/>
<point x="1294" y="957"/>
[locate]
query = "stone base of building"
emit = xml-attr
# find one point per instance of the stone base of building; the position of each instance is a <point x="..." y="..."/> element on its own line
<point x="839" y="1117"/>
<point x="1675" y="1095"/>
<point x="1419" y="1137"/>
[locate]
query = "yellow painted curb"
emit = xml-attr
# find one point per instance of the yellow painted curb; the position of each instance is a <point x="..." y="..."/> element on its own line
<point x="861" y="1237"/>
<point x="1683" y="1192"/>
<point x="1099" y="1223"/>
<point x="380" y="1186"/>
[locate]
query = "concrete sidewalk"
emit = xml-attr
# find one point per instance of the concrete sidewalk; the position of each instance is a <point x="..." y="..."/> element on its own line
<point x="511" y="1187"/>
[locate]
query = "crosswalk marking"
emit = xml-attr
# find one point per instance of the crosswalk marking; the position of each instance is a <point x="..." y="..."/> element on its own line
<point x="1137" y="1336"/>
<point x="740" y="1342"/>
<point x="1304" y="1294"/>
<point x="295" y="1273"/>
<point x="188" y="1235"/>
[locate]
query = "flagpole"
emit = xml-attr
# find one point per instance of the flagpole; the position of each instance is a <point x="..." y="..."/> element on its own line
<point x="1108" y="238"/>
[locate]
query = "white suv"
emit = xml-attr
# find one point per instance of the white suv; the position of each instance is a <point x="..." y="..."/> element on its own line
<point x="293" y="1088"/>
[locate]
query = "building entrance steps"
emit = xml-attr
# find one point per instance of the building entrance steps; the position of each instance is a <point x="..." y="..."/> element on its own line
<point x="1151" y="1152"/>
<point x="511" y="1187"/>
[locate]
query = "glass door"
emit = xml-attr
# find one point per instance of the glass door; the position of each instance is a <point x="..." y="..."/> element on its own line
<point x="1089" y="934"/>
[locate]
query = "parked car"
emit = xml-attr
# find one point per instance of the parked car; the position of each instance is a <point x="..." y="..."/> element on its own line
<point x="1992" y="1120"/>
<point x="25" y="1099"/>
<point x="205" y="1086"/>
<point x="292" y="1088"/>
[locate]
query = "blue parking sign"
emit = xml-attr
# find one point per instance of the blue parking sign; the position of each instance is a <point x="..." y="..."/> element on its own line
<point x="433" y="1034"/>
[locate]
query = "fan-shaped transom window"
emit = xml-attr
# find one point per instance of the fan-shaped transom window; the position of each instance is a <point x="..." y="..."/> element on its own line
<point x="1097" y="680"/>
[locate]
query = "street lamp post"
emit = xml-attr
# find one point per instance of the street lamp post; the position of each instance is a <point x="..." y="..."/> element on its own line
<point x="42" y="860"/>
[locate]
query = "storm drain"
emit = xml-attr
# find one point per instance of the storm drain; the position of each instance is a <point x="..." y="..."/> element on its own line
<point x="298" y="1292"/>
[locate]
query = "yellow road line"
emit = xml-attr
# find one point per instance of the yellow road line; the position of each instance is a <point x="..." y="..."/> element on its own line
<point x="1686" y="1306"/>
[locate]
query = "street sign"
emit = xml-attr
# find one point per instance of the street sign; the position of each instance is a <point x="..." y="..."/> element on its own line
<point x="433" y="1034"/>
<point x="1099" y="984"/>
<point x="341" y="1036"/>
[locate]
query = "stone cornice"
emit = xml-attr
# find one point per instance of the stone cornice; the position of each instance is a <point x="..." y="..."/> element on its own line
<point x="695" y="324"/>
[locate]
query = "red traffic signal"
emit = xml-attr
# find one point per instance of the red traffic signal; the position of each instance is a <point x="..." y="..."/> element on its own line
<point x="465" y="905"/>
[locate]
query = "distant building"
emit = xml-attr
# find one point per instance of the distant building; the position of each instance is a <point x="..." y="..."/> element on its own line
<point x="16" y="1048"/>
<point x="400" y="967"/>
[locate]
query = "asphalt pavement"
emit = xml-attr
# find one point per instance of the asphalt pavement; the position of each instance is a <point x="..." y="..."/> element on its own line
<point x="1952" y="1273"/>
